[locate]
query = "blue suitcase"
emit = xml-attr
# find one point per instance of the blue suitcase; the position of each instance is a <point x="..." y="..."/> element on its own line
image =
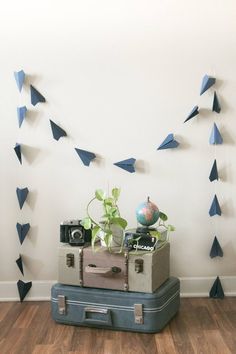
<point x="113" y="309"/>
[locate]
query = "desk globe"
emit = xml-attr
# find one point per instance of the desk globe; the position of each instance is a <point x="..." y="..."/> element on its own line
<point x="147" y="214"/>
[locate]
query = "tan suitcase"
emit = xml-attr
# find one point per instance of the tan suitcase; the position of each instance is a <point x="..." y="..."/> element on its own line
<point x="129" y="271"/>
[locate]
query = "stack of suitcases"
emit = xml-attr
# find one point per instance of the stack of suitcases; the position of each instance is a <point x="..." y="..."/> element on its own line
<point x="130" y="291"/>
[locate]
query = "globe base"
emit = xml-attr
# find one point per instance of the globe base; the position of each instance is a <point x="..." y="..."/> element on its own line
<point x="145" y="229"/>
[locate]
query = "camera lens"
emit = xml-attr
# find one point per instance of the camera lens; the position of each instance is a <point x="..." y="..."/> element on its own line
<point x="76" y="234"/>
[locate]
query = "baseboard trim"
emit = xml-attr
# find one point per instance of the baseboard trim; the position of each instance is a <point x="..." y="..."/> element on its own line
<point x="189" y="287"/>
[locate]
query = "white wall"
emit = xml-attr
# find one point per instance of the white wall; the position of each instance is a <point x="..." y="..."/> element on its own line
<point x="118" y="76"/>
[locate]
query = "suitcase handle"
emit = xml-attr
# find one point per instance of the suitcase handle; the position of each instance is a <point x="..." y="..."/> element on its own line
<point x="106" y="312"/>
<point x="101" y="270"/>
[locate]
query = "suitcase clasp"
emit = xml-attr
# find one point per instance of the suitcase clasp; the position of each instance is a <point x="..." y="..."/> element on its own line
<point x="138" y="265"/>
<point x="70" y="260"/>
<point x="61" y="304"/>
<point x="138" y="313"/>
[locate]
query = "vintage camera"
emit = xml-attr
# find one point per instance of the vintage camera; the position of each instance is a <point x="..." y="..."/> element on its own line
<point x="134" y="240"/>
<point x="74" y="233"/>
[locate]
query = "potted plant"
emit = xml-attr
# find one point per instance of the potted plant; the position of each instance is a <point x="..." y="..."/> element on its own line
<point x="110" y="227"/>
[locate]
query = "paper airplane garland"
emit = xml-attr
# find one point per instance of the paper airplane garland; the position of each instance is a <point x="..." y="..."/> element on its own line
<point x="22" y="195"/>
<point x="57" y="131"/>
<point x="85" y="156"/>
<point x="214" y="172"/>
<point x="168" y="143"/>
<point x="215" y="137"/>
<point x="215" y="207"/>
<point x="21" y="114"/>
<point x="20" y="264"/>
<point x="216" y="250"/>
<point x="23" y="289"/>
<point x="36" y="96"/>
<point x="20" y="78"/>
<point x="217" y="291"/>
<point x="127" y="165"/>
<point x="216" y="104"/>
<point x="207" y="82"/>
<point x="194" y="112"/>
<point x="22" y="230"/>
<point x="17" y="149"/>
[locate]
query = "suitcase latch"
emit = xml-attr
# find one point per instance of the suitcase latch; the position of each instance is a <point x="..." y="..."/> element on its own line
<point x="61" y="304"/>
<point x="138" y="313"/>
<point x="138" y="265"/>
<point x="70" y="260"/>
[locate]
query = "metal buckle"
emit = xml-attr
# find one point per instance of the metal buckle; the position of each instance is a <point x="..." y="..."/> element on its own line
<point x="138" y="265"/>
<point x="61" y="304"/>
<point x="138" y="313"/>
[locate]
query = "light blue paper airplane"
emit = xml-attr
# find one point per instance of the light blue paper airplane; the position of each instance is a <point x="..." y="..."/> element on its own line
<point x="20" y="78"/>
<point x="217" y="291"/>
<point x="36" y="96"/>
<point x="20" y="264"/>
<point x="85" y="156"/>
<point x="168" y="143"/>
<point x="17" y="149"/>
<point x="216" y="250"/>
<point x="207" y="82"/>
<point x="194" y="112"/>
<point x="214" y="172"/>
<point x="215" y="137"/>
<point x="21" y="113"/>
<point x="21" y="195"/>
<point x="22" y="230"/>
<point x="127" y="165"/>
<point x="216" y="104"/>
<point x="215" y="207"/>
<point x="23" y="288"/>
<point x="57" y="131"/>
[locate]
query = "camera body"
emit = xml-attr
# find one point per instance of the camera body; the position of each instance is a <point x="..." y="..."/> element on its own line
<point x="72" y="232"/>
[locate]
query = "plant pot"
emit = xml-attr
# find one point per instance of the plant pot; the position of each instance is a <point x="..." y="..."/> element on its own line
<point x="117" y="237"/>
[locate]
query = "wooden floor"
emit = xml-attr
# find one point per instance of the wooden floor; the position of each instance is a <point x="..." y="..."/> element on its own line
<point x="201" y="326"/>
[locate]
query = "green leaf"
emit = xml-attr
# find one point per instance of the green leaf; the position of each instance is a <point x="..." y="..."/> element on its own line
<point x="114" y="211"/>
<point x="120" y="222"/>
<point x="100" y="194"/>
<point x="108" y="201"/>
<point x="86" y="223"/>
<point x="171" y="228"/>
<point x="108" y="238"/>
<point x="116" y="193"/>
<point x="163" y="216"/>
<point x="155" y="233"/>
<point x="95" y="231"/>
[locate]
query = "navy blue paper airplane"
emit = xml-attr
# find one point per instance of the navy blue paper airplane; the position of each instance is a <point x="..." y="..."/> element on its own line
<point x="17" y="149"/>
<point x="214" y="172"/>
<point x="21" y="113"/>
<point x="86" y="156"/>
<point x="22" y="230"/>
<point x="57" y="131"/>
<point x="20" y="264"/>
<point x="36" y="96"/>
<point x="216" y="250"/>
<point x="127" y="165"/>
<point x="168" y="143"/>
<point x="217" y="291"/>
<point x="20" y="78"/>
<point x="23" y="289"/>
<point x="194" y="112"/>
<point x="21" y="195"/>
<point x="207" y="82"/>
<point x="216" y="104"/>
<point x="215" y="207"/>
<point x="215" y="137"/>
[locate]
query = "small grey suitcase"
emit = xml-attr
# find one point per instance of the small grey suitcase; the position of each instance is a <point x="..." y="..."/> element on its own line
<point x="131" y="271"/>
<point x="113" y="309"/>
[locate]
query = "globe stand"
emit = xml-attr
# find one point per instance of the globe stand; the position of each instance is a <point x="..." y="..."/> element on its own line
<point x="145" y="229"/>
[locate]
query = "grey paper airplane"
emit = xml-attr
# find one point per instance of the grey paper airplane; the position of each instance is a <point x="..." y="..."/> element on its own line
<point x="168" y="143"/>
<point x="21" y="114"/>
<point x="17" y="149"/>
<point x="20" y="78"/>
<point x="207" y="82"/>
<point x="85" y="156"/>
<point x="217" y="291"/>
<point x="57" y="131"/>
<point x="215" y="207"/>
<point x="216" y="104"/>
<point x="22" y="230"/>
<point x="127" y="165"/>
<point x="21" y="195"/>
<point x="216" y="250"/>
<point x="194" y="112"/>
<point x="36" y="96"/>
<point x="23" y="289"/>
<point x="214" y="172"/>
<point x="20" y="264"/>
<point x="215" y="137"/>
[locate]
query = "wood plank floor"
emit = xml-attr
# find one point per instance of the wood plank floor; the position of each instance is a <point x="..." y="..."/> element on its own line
<point x="205" y="326"/>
